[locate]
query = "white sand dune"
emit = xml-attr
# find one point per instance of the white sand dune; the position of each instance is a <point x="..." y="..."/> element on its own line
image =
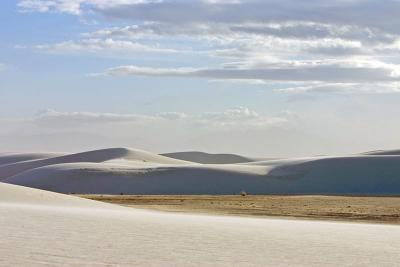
<point x="357" y="174"/>
<point x="207" y="158"/>
<point x="90" y="156"/>
<point x="40" y="228"/>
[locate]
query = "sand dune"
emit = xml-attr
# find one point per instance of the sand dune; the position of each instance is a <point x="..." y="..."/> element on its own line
<point x="102" y="155"/>
<point x="116" y="171"/>
<point x="207" y="158"/>
<point x="79" y="232"/>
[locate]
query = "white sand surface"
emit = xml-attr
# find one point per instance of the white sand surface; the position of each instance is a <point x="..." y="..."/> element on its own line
<point x="39" y="228"/>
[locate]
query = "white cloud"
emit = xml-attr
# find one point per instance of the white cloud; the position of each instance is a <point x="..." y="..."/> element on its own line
<point x="146" y="71"/>
<point x="100" y="46"/>
<point x="235" y="117"/>
<point x="73" y="7"/>
<point x="173" y="115"/>
<point x="240" y="116"/>
<point x="341" y="88"/>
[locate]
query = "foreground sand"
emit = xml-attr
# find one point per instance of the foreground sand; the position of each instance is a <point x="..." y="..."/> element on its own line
<point x="39" y="228"/>
<point x="367" y="209"/>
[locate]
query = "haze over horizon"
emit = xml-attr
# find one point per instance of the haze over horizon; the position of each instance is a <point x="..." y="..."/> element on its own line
<point x="259" y="78"/>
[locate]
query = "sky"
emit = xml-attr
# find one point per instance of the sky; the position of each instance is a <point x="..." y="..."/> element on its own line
<point x="276" y="78"/>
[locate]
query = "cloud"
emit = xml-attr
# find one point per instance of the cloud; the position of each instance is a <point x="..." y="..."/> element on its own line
<point x="365" y="13"/>
<point x="108" y="45"/>
<point x="340" y="43"/>
<point x="233" y="130"/>
<point x="53" y="117"/>
<point x="234" y="117"/>
<point x="259" y="39"/>
<point x="73" y="7"/>
<point x="332" y="72"/>
<point x="2" y="67"/>
<point x="341" y="88"/>
<point x="286" y="29"/>
<point x="240" y="116"/>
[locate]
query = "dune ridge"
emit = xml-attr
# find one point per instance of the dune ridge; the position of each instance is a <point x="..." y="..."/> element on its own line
<point x="207" y="158"/>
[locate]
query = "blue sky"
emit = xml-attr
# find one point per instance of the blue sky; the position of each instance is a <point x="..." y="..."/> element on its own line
<point x="275" y="78"/>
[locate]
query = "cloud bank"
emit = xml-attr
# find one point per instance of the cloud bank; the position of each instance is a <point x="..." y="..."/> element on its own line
<point x="236" y="130"/>
<point x="346" y="44"/>
<point x="234" y="117"/>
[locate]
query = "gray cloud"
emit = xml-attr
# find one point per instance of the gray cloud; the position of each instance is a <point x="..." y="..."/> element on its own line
<point x="336" y="72"/>
<point x="366" y="13"/>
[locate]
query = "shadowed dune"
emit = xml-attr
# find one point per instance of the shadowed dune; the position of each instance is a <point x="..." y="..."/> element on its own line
<point x="383" y="152"/>
<point x="115" y="171"/>
<point x="8" y="158"/>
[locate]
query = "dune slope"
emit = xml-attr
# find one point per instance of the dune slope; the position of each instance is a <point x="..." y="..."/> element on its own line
<point x="78" y="232"/>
